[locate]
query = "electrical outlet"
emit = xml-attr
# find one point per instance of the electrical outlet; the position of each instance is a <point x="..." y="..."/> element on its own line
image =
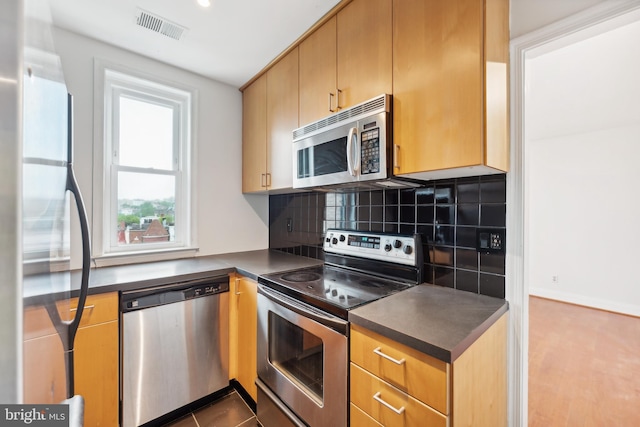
<point x="490" y="241"/>
<point x="554" y="279"/>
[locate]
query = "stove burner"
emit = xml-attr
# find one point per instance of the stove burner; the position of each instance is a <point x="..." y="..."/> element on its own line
<point x="301" y="276"/>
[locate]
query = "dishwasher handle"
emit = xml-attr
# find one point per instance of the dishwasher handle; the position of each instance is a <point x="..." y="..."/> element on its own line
<point x="138" y="300"/>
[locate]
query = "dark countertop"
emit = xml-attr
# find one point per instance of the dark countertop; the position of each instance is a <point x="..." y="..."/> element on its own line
<point x="435" y="320"/>
<point x="138" y="276"/>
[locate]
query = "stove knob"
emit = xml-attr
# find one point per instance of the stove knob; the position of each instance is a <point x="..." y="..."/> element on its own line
<point x="327" y="240"/>
<point x="387" y="247"/>
<point x="342" y="238"/>
<point x="334" y="241"/>
<point x="407" y="250"/>
<point x="341" y="297"/>
<point x="334" y="292"/>
<point x="397" y="244"/>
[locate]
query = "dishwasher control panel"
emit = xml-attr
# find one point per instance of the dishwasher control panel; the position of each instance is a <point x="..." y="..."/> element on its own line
<point x="168" y="294"/>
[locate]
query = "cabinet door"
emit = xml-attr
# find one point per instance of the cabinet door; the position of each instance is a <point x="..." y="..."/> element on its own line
<point x="96" y="355"/>
<point x="364" y="63"/>
<point x="254" y="136"/>
<point x="438" y="84"/>
<point x="282" y="119"/>
<point x="96" y="373"/>
<point x="318" y="73"/>
<point x="243" y="325"/>
<point x="44" y="372"/>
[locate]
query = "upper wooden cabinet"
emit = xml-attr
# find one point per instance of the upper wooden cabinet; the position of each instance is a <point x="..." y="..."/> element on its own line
<point x="347" y="60"/>
<point x="269" y="115"/>
<point x="282" y="119"/>
<point x="450" y="87"/>
<point x="364" y="51"/>
<point x="254" y="136"/>
<point x="318" y="73"/>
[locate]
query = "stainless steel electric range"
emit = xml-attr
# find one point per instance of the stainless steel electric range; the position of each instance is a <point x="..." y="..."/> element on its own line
<point x="303" y="330"/>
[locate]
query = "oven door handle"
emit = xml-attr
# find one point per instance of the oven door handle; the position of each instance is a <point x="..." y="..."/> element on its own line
<point x="332" y="322"/>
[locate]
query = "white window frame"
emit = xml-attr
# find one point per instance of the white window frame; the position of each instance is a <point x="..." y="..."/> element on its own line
<point x="111" y="82"/>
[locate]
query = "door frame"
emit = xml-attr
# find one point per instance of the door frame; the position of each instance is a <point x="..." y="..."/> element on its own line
<point x="582" y="25"/>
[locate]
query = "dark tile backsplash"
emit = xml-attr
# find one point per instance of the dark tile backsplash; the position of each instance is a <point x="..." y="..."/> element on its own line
<point x="445" y="213"/>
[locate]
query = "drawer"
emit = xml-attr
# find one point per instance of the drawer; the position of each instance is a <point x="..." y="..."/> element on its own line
<point x="99" y="308"/>
<point x="389" y="406"/>
<point x="417" y="374"/>
<point x="359" y="419"/>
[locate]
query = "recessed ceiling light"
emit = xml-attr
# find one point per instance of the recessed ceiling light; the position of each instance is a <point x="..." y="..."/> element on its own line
<point x="204" y="3"/>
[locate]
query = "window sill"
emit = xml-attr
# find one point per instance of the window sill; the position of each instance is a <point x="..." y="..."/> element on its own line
<point x="124" y="258"/>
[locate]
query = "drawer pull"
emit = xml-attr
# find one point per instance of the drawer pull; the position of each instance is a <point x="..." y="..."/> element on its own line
<point x="86" y="307"/>
<point x="379" y="352"/>
<point x="377" y="398"/>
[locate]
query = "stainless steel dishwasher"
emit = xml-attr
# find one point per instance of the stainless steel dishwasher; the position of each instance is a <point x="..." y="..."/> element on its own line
<point x="175" y="347"/>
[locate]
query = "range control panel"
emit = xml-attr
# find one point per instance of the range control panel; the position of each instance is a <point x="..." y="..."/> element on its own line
<point x="396" y="248"/>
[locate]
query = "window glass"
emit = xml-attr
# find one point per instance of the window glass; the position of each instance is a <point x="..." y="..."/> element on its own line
<point x="145" y="134"/>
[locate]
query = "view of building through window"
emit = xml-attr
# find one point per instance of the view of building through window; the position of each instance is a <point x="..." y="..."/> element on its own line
<point x="146" y="167"/>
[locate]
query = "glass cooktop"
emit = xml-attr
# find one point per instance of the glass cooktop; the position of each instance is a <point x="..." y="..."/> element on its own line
<point x="330" y="287"/>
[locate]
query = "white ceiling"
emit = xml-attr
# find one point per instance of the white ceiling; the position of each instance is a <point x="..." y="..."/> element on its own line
<point x="233" y="40"/>
<point x="230" y="41"/>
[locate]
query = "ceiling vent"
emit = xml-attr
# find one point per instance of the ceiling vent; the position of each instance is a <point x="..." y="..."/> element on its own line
<point x="159" y="25"/>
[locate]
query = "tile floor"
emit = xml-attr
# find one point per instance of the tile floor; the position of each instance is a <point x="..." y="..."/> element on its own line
<point x="228" y="411"/>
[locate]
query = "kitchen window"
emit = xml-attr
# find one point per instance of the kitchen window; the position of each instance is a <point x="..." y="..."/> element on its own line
<point x="146" y="191"/>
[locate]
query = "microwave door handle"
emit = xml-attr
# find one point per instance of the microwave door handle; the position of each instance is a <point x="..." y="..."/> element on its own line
<point x="353" y="163"/>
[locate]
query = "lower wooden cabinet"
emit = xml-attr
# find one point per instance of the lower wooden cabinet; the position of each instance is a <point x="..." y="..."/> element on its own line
<point x="395" y="385"/>
<point x="243" y="312"/>
<point x="95" y="358"/>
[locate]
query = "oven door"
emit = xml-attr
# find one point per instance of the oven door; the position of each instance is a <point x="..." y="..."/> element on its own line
<point x="303" y="358"/>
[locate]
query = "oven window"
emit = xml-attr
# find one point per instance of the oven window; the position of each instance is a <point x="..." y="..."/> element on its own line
<point x="298" y="354"/>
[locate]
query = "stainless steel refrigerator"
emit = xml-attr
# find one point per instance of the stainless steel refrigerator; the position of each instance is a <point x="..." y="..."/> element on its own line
<point x="38" y="193"/>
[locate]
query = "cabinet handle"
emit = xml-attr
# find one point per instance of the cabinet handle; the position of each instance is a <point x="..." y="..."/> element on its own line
<point x="330" y="99"/>
<point x="236" y="288"/>
<point x="268" y="179"/>
<point x="86" y="307"/>
<point x="379" y="352"/>
<point x="338" y="92"/>
<point x="396" y="149"/>
<point x="263" y="180"/>
<point x="377" y="398"/>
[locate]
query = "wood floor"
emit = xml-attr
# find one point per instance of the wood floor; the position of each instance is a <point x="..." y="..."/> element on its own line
<point x="584" y="366"/>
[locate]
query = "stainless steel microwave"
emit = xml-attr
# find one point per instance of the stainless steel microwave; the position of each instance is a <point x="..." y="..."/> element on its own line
<point x="348" y="148"/>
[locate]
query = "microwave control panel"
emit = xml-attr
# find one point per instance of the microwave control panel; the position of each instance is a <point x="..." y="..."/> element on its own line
<point x="370" y="151"/>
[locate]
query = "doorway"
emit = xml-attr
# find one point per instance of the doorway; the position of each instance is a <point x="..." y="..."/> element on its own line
<point x="560" y="195"/>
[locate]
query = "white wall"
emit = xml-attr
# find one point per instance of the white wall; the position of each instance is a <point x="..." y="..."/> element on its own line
<point x="529" y="15"/>
<point x="227" y="220"/>
<point x="583" y="171"/>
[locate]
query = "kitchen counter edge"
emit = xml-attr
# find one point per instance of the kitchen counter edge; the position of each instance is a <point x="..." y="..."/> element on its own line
<point x="42" y="288"/>
<point x="438" y="321"/>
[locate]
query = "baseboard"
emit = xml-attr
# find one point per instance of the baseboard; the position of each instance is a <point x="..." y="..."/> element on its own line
<point x="244" y="394"/>
<point x="615" y="307"/>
